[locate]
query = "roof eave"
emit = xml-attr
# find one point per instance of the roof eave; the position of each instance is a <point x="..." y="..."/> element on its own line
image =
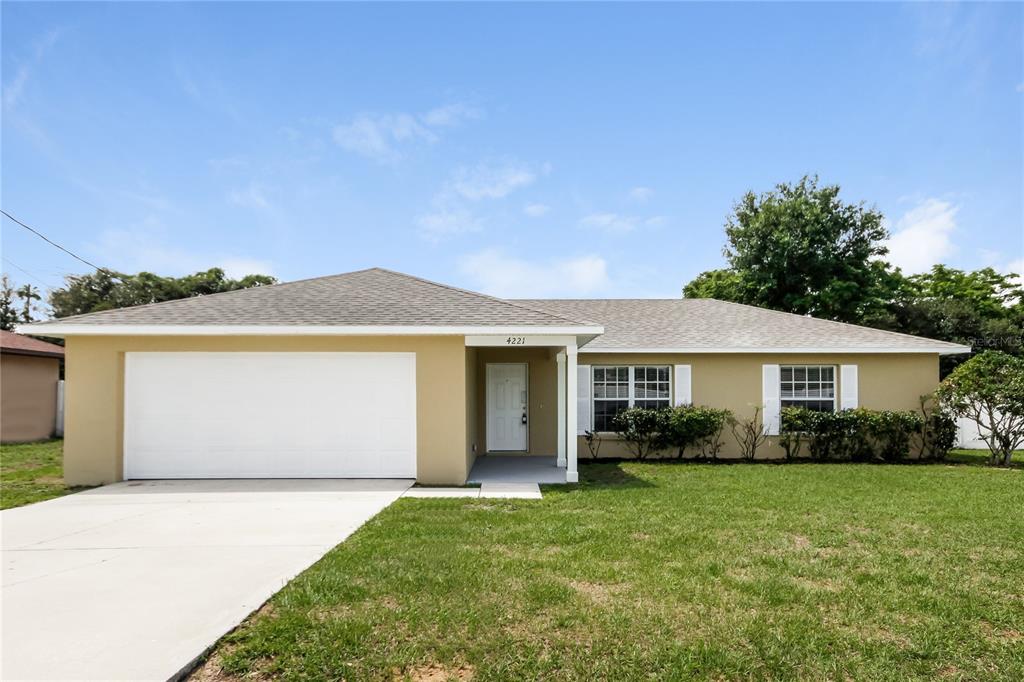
<point x="940" y="350"/>
<point x="59" y="330"/>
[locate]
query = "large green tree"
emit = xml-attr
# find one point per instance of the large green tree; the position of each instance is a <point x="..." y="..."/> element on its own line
<point x="983" y="309"/>
<point x="106" y="290"/>
<point x="801" y="249"/>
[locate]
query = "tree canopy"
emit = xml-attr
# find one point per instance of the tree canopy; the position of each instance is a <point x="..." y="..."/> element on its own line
<point x="106" y="290"/>
<point x="799" y="248"/>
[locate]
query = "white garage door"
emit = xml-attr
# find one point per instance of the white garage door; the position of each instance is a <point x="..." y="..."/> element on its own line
<point x="270" y="415"/>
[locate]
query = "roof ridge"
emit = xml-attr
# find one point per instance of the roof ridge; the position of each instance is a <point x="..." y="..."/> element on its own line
<point x="506" y="301"/>
<point x="566" y="300"/>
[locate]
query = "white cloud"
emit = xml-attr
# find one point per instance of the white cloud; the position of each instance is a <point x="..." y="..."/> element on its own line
<point x="12" y="91"/>
<point x="145" y="247"/>
<point x="451" y="211"/>
<point x="253" y="196"/>
<point x="446" y="221"/>
<point x="485" y="181"/>
<point x="380" y="136"/>
<point x="922" y="237"/>
<point x="641" y="194"/>
<point x="610" y="222"/>
<point x="499" y="274"/>
<point x="451" y="115"/>
<point x="536" y="210"/>
<point x="1015" y="267"/>
<point x="236" y="268"/>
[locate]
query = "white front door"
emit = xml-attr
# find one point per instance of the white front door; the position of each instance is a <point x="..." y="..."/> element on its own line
<point x="507" y="401"/>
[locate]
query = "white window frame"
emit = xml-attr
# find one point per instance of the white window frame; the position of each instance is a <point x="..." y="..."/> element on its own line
<point x="631" y="384"/>
<point x="783" y="399"/>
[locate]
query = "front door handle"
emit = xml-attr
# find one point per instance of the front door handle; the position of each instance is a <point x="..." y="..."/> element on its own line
<point x="524" y="418"/>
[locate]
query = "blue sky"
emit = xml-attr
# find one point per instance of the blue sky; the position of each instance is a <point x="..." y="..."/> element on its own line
<point x="521" y="150"/>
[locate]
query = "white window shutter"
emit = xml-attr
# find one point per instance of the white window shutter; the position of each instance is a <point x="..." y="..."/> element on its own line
<point x="847" y="387"/>
<point x="771" y="399"/>
<point x="583" y="402"/>
<point x="683" y="390"/>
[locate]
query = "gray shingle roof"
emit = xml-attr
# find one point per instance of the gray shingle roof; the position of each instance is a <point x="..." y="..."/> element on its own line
<point x="374" y="297"/>
<point x="705" y="324"/>
<point x="382" y="298"/>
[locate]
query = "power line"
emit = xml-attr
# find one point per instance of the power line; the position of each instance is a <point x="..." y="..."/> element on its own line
<point x="51" y="242"/>
<point x="26" y="272"/>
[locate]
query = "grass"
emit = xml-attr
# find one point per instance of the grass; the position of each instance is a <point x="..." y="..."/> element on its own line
<point x="31" y="472"/>
<point x="666" y="571"/>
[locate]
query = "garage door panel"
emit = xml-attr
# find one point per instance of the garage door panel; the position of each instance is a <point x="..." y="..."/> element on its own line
<point x="198" y="415"/>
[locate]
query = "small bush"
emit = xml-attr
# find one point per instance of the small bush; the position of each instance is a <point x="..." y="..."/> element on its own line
<point x="643" y="429"/>
<point x="749" y="434"/>
<point x="696" y="427"/>
<point x="593" y="440"/>
<point x="938" y="429"/>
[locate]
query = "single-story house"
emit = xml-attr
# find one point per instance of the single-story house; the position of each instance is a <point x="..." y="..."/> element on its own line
<point x="29" y="395"/>
<point x="380" y="374"/>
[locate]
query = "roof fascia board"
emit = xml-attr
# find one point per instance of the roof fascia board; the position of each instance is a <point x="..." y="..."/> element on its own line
<point x="941" y="350"/>
<point x="63" y="330"/>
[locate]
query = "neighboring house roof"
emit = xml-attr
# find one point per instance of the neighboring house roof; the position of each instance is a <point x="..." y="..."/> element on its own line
<point x="707" y="325"/>
<point x="366" y="298"/>
<point x="17" y="344"/>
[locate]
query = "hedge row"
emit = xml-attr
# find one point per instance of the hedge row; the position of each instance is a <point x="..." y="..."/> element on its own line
<point x="859" y="435"/>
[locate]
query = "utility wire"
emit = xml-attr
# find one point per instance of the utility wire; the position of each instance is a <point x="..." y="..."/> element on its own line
<point x="51" y="242"/>
<point x="30" y="275"/>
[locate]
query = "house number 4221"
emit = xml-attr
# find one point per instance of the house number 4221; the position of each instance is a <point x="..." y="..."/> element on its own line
<point x="516" y="341"/>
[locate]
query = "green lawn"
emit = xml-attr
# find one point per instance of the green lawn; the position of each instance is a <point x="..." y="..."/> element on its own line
<point x="31" y="472"/>
<point x="664" y="571"/>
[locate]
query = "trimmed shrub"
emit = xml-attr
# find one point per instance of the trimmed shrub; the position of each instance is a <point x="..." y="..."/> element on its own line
<point x="696" y="427"/>
<point x="858" y="435"/>
<point x="644" y="430"/>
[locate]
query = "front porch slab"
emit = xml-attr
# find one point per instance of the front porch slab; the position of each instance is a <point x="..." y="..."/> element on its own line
<point x="503" y="469"/>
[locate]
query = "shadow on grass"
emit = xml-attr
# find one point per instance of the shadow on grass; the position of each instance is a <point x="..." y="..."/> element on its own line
<point x="609" y="474"/>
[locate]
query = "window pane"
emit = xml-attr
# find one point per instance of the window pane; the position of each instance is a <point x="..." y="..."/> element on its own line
<point x="787" y="373"/>
<point x="800" y="374"/>
<point x="663" y="374"/>
<point x="605" y="410"/>
<point x="813" y="373"/>
<point x="828" y="373"/>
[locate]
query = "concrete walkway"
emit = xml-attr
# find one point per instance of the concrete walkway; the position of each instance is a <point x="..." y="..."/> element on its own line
<point x="133" y="581"/>
<point x="522" y="491"/>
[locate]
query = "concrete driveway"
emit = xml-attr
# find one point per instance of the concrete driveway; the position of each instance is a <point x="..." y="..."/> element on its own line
<point x="134" y="580"/>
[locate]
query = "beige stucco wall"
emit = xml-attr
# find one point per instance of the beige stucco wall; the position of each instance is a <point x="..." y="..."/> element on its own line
<point x="94" y="370"/>
<point x="28" y="397"/>
<point x="542" y="370"/>
<point x="472" y="439"/>
<point x="733" y="381"/>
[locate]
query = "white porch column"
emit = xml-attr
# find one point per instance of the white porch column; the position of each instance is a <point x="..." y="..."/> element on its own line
<point x="571" y="474"/>
<point x="562" y="427"/>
